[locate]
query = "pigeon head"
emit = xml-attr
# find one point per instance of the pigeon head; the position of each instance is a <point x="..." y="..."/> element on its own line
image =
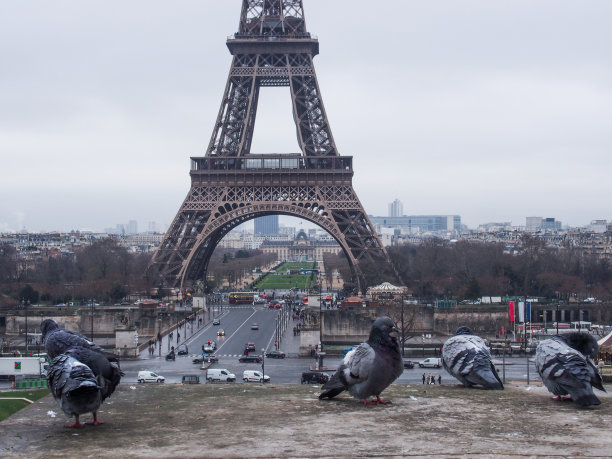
<point x="384" y="332"/>
<point x="582" y="342"/>
<point x="47" y="325"/>
<point x="463" y="330"/>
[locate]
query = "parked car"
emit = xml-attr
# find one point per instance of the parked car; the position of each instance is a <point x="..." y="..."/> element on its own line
<point x="216" y="321"/>
<point x="250" y="359"/>
<point x="254" y="327"/>
<point x="254" y="376"/>
<point x="220" y="332"/>
<point x="182" y="350"/>
<point x="408" y="364"/>
<point x="432" y="362"/>
<point x="314" y="377"/>
<point x="149" y="376"/>
<point x="250" y="347"/>
<point x="191" y="379"/>
<point x="220" y="374"/>
<point x="275" y="355"/>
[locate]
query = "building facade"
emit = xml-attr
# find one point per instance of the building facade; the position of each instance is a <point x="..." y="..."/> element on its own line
<point x="302" y="248"/>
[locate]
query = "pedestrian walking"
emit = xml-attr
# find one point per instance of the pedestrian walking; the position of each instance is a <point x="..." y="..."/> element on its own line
<point x="439" y="380"/>
<point x="423" y="378"/>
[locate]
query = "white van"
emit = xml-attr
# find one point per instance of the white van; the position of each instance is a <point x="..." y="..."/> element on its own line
<point x="149" y="376"/>
<point x="432" y="362"/>
<point x="219" y="374"/>
<point x="254" y="376"/>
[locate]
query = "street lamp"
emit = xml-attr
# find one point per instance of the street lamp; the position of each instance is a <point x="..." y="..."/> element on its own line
<point x="263" y="362"/>
<point x="403" y="338"/>
<point x="557" y="318"/>
<point x="25" y="305"/>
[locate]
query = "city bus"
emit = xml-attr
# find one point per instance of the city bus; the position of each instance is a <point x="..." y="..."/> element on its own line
<point x="242" y="297"/>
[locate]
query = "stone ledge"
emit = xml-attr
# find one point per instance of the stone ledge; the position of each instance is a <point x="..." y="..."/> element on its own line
<point x="240" y="420"/>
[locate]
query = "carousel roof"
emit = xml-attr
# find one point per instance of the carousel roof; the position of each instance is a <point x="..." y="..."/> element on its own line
<point x="606" y="341"/>
<point x="386" y="287"/>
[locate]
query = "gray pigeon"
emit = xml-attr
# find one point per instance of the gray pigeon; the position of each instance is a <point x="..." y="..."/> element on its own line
<point x="58" y="340"/>
<point x="466" y="357"/>
<point x="74" y="388"/>
<point x="565" y="366"/>
<point x="371" y="367"/>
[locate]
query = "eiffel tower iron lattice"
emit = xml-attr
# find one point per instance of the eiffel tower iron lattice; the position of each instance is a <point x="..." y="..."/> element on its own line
<point x="230" y="185"/>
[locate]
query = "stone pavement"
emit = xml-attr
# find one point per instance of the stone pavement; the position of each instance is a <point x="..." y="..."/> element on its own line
<point x="290" y="344"/>
<point x="255" y="420"/>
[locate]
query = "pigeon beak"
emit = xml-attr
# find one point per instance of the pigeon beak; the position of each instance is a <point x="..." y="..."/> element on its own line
<point x="394" y="333"/>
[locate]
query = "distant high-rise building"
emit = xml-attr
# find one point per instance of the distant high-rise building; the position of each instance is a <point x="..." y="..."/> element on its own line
<point x="266" y="226"/>
<point x="598" y="226"/>
<point x="423" y="223"/>
<point x="551" y="224"/>
<point x="533" y="223"/>
<point x="132" y="227"/>
<point x="396" y="208"/>
<point x="152" y="227"/>
<point x="538" y="224"/>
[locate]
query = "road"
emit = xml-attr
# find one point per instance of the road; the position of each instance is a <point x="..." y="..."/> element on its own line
<point x="237" y="320"/>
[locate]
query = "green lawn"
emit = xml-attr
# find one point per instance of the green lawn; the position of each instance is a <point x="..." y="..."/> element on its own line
<point x="296" y="265"/>
<point x="284" y="281"/>
<point x="9" y="407"/>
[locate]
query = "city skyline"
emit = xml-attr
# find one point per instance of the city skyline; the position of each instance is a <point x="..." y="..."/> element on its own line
<point x="501" y="110"/>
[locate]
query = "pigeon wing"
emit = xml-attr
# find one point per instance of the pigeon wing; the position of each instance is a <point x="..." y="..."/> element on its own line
<point x="355" y="369"/>
<point x="359" y="363"/>
<point x="468" y="359"/>
<point x="107" y="372"/>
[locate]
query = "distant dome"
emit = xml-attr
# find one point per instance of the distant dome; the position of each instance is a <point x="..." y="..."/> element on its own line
<point x="301" y="236"/>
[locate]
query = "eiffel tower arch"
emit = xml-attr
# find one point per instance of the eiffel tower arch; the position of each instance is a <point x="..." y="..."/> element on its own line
<point x="230" y="185"/>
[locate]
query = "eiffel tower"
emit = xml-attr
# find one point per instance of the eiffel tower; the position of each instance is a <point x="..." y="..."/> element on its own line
<point x="230" y="185"/>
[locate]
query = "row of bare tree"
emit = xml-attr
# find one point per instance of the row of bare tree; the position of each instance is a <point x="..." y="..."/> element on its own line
<point x="104" y="271"/>
<point x="435" y="269"/>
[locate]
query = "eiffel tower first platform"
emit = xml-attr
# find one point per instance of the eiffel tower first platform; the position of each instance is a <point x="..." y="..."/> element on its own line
<point x="230" y="185"/>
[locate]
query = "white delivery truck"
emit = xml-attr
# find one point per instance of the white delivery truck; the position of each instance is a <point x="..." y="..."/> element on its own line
<point x="432" y="362"/>
<point x="219" y="374"/>
<point x="22" y="367"/>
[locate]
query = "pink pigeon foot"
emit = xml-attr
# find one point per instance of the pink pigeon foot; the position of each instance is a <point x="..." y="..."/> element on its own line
<point x="76" y="424"/>
<point x="381" y="401"/>
<point x="95" y="421"/>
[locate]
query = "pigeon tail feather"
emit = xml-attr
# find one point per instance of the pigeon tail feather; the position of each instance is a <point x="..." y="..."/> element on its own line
<point x="586" y="399"/>
<point x="331" y="393"/>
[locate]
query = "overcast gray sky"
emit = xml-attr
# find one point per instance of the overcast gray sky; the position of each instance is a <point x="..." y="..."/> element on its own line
<point x="494" y="110"/>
